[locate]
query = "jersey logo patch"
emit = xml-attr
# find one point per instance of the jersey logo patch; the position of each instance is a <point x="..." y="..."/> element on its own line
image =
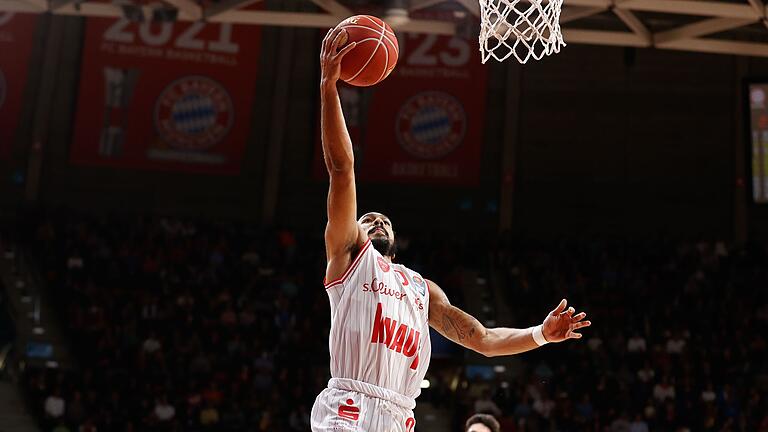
<point x="420" y="284"/>
<point x="383" y="264"/>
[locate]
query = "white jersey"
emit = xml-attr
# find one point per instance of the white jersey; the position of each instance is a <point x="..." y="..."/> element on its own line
<point x="379" y="326"/>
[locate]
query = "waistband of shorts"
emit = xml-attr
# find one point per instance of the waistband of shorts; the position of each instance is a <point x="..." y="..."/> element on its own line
<point x="373" y="391"/>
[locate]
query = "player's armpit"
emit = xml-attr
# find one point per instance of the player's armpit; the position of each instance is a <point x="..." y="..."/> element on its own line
<point x="343" y="237"/>
<point x="453" y="323"/>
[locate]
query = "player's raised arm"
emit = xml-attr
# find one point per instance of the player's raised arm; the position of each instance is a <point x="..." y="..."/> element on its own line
<point x="342" y="232"/>
<point x="468" y="332"/>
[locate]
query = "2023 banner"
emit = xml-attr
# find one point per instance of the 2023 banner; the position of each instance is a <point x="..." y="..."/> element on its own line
<point x="171" y="96"/>
<point x="424" y="123"/>
<point x="17" y="33"/>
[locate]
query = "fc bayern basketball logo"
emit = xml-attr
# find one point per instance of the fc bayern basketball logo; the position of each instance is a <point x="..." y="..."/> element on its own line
<point x="193" y="113"/>
<point x="431" y="125"/>
<point x="3" y="88"/>
<point x="383" y="264"/>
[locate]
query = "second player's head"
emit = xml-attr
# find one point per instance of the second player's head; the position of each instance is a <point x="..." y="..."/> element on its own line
<point x="379" y="229"/>
<point x="482" y="423"/>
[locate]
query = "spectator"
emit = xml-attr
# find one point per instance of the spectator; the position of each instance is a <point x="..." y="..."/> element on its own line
<point x="663" y="390"/>
<point x="55" y="405"/>
<point x="61" y="427"/>
<point x="299" y="420"/>
<point x="482" y="423"/>
<point x="543" y="406"/>
<point x="621" y="424"/>
<point x="88" y="426"/>
<point x="209" y="416"/>
<point x="212" y="316"/>
<point x="486" y="405"/>
<point x="151" y="345"/>
<point x="638" y="424"/>
<point x="164" y="411"/>
<point x="76" y="410"/>
<point x="636" y="344"/>
<point x="585" y="410"/>
<point x="675" y="344"/>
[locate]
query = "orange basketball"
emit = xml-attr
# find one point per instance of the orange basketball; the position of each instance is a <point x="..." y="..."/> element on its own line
<point x="374" y="56"/>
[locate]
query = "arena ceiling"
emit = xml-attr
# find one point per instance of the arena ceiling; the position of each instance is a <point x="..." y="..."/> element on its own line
<point x="738" y="27"/>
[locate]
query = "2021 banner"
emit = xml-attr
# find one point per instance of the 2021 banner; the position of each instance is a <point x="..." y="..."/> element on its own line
<point x="17" y="33"/>
<point x="171" y="96"/>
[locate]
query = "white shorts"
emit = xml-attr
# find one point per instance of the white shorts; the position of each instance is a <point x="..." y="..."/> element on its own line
<point x="345" y="410"/>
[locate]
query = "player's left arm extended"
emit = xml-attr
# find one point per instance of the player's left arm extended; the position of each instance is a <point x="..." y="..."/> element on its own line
<point x="464" y="329"/>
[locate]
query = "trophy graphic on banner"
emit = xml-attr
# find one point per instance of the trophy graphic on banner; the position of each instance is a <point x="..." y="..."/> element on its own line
<point x="3" y="88"/>
<point x="355" y="102"/>
<point x="118" y="90"/>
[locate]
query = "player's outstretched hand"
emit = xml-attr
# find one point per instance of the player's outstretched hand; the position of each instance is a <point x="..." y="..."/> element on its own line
<point x="561" y="324"/>
<point x="330" y="56"/>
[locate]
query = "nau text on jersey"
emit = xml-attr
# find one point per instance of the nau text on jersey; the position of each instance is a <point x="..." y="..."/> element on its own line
<point x="402" y="338"/>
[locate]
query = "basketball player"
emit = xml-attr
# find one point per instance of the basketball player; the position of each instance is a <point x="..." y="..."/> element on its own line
<point x="380" y="310"/>
<point x="482" y="423"/>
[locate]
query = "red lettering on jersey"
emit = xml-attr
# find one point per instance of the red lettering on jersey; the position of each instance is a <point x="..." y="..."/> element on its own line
<point x="349" y="411"/>
<point x="419" y="303"/>
<point x="383" y="328"/>
<point x="415" y="362"/>
<point x="405" y="340"/>
<point x="376" y="286"/>
<point x="397" y="344"/>
<point x="412" y="343"/>
<point x="402" y="276"/>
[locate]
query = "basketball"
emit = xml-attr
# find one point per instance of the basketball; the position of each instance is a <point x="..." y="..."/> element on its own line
<point x="375" y="55"/>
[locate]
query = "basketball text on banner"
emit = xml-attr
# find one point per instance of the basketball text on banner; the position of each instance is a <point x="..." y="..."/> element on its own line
<point x="17" y="33"/>
<point x="170" y="96"/>
<point x="424" y="123"/>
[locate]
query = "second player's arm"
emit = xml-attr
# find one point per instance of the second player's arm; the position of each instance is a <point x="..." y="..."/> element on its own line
<point x="467" y="331"/>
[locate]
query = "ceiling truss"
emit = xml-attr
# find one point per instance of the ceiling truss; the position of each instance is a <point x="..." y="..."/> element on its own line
<point x="713" y="17"/>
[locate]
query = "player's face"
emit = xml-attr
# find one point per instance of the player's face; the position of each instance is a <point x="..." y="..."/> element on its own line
<point x="376" y="225"/>
<point x="379" y="230"/>
<point x="479" y="427"/>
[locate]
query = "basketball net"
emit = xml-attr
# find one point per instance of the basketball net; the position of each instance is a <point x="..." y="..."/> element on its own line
<point x="521" y="28"/>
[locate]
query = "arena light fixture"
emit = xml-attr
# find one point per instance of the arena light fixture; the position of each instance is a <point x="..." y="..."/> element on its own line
<point x="396" y="13"/>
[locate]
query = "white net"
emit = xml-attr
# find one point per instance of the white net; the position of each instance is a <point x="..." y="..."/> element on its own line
<point x="521" y="28"/>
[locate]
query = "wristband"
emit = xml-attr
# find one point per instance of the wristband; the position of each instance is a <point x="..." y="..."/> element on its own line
<point x="538" y="335"/>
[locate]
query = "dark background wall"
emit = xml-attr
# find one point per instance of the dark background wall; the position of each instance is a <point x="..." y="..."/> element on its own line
<point x="610" y="140"/>
<point x="621" y="140"/>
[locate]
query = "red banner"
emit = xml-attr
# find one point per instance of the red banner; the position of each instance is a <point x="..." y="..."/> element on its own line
<point x="424" y="123"/>
<point x="171" y="96"/>
<point x="17" y="32"/>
